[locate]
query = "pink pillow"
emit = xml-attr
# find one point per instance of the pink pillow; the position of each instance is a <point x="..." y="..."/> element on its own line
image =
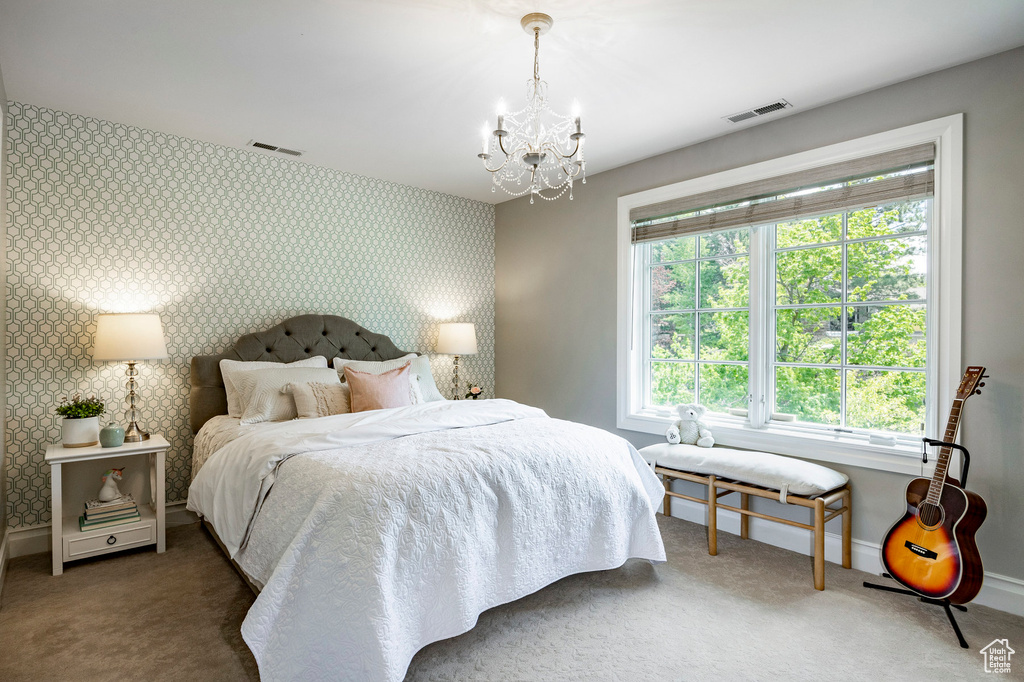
<point x="379" y="391"/>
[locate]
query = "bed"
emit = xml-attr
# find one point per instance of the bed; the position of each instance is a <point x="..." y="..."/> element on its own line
<point x="372" y="534"/>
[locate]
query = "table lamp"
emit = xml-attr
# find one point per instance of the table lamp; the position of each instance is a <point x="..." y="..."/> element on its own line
<point x="456" y="338"/>
<point x="130" y="337"/>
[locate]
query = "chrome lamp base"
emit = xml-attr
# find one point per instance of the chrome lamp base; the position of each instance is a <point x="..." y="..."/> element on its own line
<point x="132" y="432"/>
<point x="455" y="380"/>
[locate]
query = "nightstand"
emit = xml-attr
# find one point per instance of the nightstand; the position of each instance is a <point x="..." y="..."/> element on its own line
<point x="76" y="475"/>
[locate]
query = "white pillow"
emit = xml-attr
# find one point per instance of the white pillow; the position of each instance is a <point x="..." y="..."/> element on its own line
<point x="423" y="386"/>
<point x="425" y="377"/>
<point x="260" y="391"/>
<point x="229" y="369"/>
<point x="320" y="400"/>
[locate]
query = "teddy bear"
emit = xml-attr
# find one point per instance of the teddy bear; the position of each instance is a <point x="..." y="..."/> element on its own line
<point x="689" y="428"/>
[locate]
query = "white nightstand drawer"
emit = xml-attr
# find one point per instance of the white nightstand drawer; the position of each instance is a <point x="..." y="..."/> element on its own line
<point x="111" y="540"/>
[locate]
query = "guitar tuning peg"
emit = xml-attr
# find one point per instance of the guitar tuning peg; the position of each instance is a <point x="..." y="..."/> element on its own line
<point x="981" y="384"/>
<point x="977" y="392"/>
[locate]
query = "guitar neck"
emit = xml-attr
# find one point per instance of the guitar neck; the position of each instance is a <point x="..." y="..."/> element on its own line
<point x="945" y="452"/>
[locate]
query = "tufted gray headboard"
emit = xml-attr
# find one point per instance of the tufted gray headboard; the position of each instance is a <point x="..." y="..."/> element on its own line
<point x="294" y="339"/>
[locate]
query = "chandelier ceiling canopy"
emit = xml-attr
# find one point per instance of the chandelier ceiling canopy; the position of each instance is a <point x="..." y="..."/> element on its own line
<point x="535" y="150"/>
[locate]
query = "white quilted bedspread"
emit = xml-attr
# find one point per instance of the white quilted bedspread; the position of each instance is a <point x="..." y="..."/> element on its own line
<point x="385" y="534"/>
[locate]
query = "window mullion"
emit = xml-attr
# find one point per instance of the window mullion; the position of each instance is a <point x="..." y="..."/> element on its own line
<point x="696" y="321"/>
<point x="646" y="367"/>
<point x="844" y="324"/>
<point x="771" y="301"/>
<point x="932" y="332"/>
<point x="758" y="328"/>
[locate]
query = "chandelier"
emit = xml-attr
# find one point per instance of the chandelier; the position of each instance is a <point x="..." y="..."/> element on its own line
<point x="534" y="146"/>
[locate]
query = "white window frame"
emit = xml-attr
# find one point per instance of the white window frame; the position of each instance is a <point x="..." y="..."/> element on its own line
<point x="943" y="294"/>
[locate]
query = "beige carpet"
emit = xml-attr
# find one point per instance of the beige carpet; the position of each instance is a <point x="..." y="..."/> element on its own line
<point x="748" y="614"/>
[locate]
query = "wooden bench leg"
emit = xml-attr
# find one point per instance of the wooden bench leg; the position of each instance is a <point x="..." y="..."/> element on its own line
<point x="819" y="544"/>
<point x="667" y="510"/>
<point x="847" y="530"/>
<point x="744" y="519"/>
<point x="712" y="517"/>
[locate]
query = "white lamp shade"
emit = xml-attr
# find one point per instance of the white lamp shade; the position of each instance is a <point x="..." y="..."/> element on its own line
<point x="457" y="338"/>
<point x="128" y="337"/>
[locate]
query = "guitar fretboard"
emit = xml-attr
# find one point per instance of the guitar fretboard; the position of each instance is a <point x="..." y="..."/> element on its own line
<point x="942" y="465"/>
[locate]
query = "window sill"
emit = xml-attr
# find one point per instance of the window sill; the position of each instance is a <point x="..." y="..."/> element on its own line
<point x="835" y="449"/>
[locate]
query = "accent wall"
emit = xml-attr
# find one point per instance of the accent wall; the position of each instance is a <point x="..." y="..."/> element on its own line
<point x="105" y="217"/>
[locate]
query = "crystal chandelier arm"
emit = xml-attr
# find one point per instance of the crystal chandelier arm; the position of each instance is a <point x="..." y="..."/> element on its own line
<point x="570" y="175"/>
<point x="501" y="145"/>
<point x="553" y="148"/>
<point x="572" y="170"/>
<point x="485" y="157"/>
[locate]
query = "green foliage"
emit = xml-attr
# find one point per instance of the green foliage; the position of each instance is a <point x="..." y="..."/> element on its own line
<point x="877" y="335"/>
<point x="79" y="408"/>
<point x="672" y="383"/>
<point x="810" y="393"/>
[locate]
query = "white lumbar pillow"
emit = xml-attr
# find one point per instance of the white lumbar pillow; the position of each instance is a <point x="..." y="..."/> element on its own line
<point x="261" y="391"/>
<point x="320" y="400"/>
<point x="424" y="390"/>
<point x="229" y="369"/>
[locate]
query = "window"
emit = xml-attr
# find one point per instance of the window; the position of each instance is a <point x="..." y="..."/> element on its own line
<point x="848" y="320"/>
<point x="811" y="303"/>
<point x="699" y="314"/>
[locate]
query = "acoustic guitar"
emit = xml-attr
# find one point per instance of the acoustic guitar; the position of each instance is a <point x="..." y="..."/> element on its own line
<point x="931" y="550"/>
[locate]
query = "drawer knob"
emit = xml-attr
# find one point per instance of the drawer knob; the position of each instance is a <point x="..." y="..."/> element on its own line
<point x="111" y="540"/>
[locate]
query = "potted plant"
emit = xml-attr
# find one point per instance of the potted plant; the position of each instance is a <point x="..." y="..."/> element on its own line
<point x="80" y="427"/>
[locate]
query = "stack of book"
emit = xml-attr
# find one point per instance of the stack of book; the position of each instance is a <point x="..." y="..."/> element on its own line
<point x="113" y="513"/>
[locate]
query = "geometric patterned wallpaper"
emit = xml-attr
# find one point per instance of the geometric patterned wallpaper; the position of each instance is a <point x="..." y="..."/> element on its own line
<point x="104" y="217"/>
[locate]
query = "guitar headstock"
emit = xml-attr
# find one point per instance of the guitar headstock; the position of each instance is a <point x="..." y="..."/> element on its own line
<point x="971" y="383"/>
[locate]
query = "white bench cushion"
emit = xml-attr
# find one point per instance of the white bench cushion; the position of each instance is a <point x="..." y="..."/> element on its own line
<point x="758" y="468"/>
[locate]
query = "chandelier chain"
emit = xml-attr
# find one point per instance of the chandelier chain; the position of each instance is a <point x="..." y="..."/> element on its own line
<point x="536" y="54"/>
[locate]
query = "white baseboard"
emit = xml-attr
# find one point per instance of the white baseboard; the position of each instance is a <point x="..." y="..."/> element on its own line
<point x="999" y="592"/>
<point x="36" y="539"/>
<point x="177" y="515"/>
<point x="27" y="540"/>
<point x="1002" y="593"/>
<point x="3" y="561"/>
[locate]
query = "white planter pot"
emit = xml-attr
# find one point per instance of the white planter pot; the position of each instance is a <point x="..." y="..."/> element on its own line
<point x="80" y="433"/>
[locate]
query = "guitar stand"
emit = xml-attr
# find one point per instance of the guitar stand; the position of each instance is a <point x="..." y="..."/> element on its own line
<point x="944" y="603"/>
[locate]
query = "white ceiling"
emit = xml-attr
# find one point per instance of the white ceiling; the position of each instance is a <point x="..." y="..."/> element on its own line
<point x="398" y="89"/>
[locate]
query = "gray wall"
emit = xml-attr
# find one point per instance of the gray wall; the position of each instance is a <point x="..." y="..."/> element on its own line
<point x="556" y="278"/>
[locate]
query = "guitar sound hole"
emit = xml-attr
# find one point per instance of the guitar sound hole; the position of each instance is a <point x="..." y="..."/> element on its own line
<point x="930" y="515"/>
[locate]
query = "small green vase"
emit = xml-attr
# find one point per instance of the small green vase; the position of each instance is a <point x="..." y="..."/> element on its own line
<point x="111" y="436"/>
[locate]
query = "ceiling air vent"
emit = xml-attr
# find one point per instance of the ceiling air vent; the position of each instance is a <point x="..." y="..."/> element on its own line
<point x="778" y="105"/>
<point x="272" y="148"/>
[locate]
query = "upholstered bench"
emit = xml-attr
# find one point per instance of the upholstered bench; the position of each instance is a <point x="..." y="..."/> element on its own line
<point x="784" y="479"/>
